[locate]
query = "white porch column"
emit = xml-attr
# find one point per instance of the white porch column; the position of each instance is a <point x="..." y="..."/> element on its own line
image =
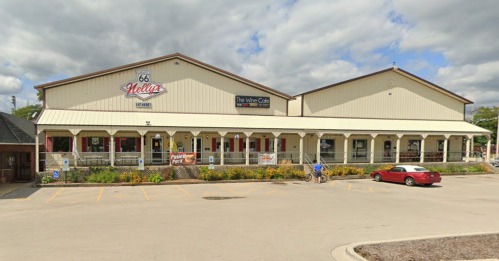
<point x="276" y="135"/>
<point x="489" y="143"/>
<point x="397" y="157"/>
<point x="195" y="142"/>
<point x="74" y="148"/>
<point x="319" y="136"/>
<point x="248" y="134"/>
<point x="222" y="147"/>
<point x="142" y="134"/>
<point x="301" y="134"/>
<point x="423" y="139"/>
<point x="111" y="149"/>
<point x="345" y="148"/>
<point x="111" y="145"/>
<point x="446" y="142"/>
<point x="37" y="152"/>
<point x="171" y="133"/>
<point x="468" y="142"/>
<point x="373" y="137"/>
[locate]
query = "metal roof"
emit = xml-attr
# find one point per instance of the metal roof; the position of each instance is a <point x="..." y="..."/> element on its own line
<point x="114" y="119"/>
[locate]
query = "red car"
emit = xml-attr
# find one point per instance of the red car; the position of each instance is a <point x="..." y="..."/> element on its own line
<point x="408" y="174"/>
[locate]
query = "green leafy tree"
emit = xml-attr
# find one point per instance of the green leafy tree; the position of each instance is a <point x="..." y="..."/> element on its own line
<point x="485" y="117"/>
<point x="28" y="112"/>
<point x="39" y="95"/>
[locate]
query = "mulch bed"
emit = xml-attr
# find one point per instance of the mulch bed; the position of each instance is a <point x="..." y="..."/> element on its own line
<point x="435" y="249"/>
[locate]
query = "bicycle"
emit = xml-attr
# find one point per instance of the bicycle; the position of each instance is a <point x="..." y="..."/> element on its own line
<point x="310" y="175"/>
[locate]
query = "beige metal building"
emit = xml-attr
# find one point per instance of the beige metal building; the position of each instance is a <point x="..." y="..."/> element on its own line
<point x="176" y="103"/>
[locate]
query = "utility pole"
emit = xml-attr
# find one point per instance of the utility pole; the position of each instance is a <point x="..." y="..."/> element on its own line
<point x="13" y="101"/>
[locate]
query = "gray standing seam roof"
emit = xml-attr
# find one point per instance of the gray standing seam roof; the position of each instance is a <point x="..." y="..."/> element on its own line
<point x="16" y="130"/>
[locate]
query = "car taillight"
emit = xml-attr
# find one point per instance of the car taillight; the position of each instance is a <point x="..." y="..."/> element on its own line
<point x="425" y="176"/>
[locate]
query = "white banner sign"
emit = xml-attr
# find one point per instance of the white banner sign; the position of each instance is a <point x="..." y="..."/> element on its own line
<point x="267" y="159"/>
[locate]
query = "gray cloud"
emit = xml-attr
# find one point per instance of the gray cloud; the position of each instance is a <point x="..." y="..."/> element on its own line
<point x="287" y="45"/>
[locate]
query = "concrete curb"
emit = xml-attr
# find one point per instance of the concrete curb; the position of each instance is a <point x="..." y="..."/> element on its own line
<point x="31" y="184"/>
<point x="159" y="184"/>
<point x="347" y="252"/>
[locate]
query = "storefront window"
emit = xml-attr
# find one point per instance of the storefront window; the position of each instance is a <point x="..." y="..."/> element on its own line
<point x="95" y="144"/>
<point x="252" y="144"/>
<point x="414" y="145"/>
<point x="359" y="149"/>
<point x="129" y="144"/>
<point x="327" y="148"/>
<point x="279" y="145"/>
<point x="60" y="144"/>
<point x="441" y="145"/>
<point x="226" y="145"/>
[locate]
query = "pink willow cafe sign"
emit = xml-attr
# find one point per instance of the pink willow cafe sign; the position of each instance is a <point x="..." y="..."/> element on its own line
<point x="143" y="88"/>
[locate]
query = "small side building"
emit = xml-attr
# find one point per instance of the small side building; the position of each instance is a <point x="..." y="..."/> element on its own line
<point x="17" y="149"/>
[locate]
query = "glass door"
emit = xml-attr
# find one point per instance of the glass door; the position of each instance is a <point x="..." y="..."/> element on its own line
<point x="198" y="150"/>
<point x="157" y="150"/>
<point x="387" y="151"/>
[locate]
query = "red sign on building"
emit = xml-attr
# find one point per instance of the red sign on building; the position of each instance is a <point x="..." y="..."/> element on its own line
<point x="183" y="158"/>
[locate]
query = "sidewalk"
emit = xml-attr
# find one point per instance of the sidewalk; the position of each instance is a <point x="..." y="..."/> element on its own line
<point x="6" y="188"/>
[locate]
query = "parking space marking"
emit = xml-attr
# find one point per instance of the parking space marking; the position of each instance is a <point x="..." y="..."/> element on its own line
<point x="252" y="190"/>
<point x="54" y="195"/>
<point x="332" y="183"/>
<point x="227" y="189"/>
<point x="100" y="195"/>
<point x="145" y="194"/>
<point x="274" y="190"/>
<point x="59" y="198"/>
<point x="187" y="193"/>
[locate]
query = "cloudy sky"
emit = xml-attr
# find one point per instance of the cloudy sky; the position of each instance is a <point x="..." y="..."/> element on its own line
<point x="291" y="46"/>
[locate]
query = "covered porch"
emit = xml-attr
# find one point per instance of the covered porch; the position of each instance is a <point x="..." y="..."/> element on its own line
<point x="108" y="138"/>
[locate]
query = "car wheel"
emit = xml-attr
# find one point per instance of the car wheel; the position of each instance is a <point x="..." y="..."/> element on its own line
<point x="410" y="181"/>
<point x="377" y="178"/>
<point x="308" y="177"/>
<point x="428" y="185"/>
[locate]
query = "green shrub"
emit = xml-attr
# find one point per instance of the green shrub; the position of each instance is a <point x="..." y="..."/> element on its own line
<point x="368" y="169"/>
<point x="95" y="170"/>
<point x="105" y="176"/>
<point x="47" y="179"/>
<point x="478" y="168"/>
<point x="156" y="178"/>
<point x="74" y="176"/>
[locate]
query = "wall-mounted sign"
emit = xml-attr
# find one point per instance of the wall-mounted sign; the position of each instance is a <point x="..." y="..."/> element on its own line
<point x="183" y="158"/>
<point x="267" y="159"/>
<point x="143" y="104"/>
<point x="143" y="88"/>
<point x="252" y="102"/>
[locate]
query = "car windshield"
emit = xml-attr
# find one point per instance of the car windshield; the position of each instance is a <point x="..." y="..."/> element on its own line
<point x="420" y="169"/>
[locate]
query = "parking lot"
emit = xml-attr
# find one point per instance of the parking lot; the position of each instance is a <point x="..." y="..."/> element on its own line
<point x="237" y="221"/>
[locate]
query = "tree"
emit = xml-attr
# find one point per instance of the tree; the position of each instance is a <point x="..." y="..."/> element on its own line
<point x="486" y="117"/>
<point x="39" y="95"/>
<point x="28" y="112"/>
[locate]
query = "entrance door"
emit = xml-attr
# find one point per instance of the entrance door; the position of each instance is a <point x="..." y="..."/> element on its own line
<point x="387" y="151"/>
<point x="198" y="150"/>
<point x="157" y="150"/>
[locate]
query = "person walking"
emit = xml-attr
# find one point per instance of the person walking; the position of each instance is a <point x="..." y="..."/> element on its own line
<point x="317" y="172"/>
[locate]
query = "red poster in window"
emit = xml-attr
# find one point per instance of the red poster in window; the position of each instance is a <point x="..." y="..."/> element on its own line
<point x="183" y="158"/>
